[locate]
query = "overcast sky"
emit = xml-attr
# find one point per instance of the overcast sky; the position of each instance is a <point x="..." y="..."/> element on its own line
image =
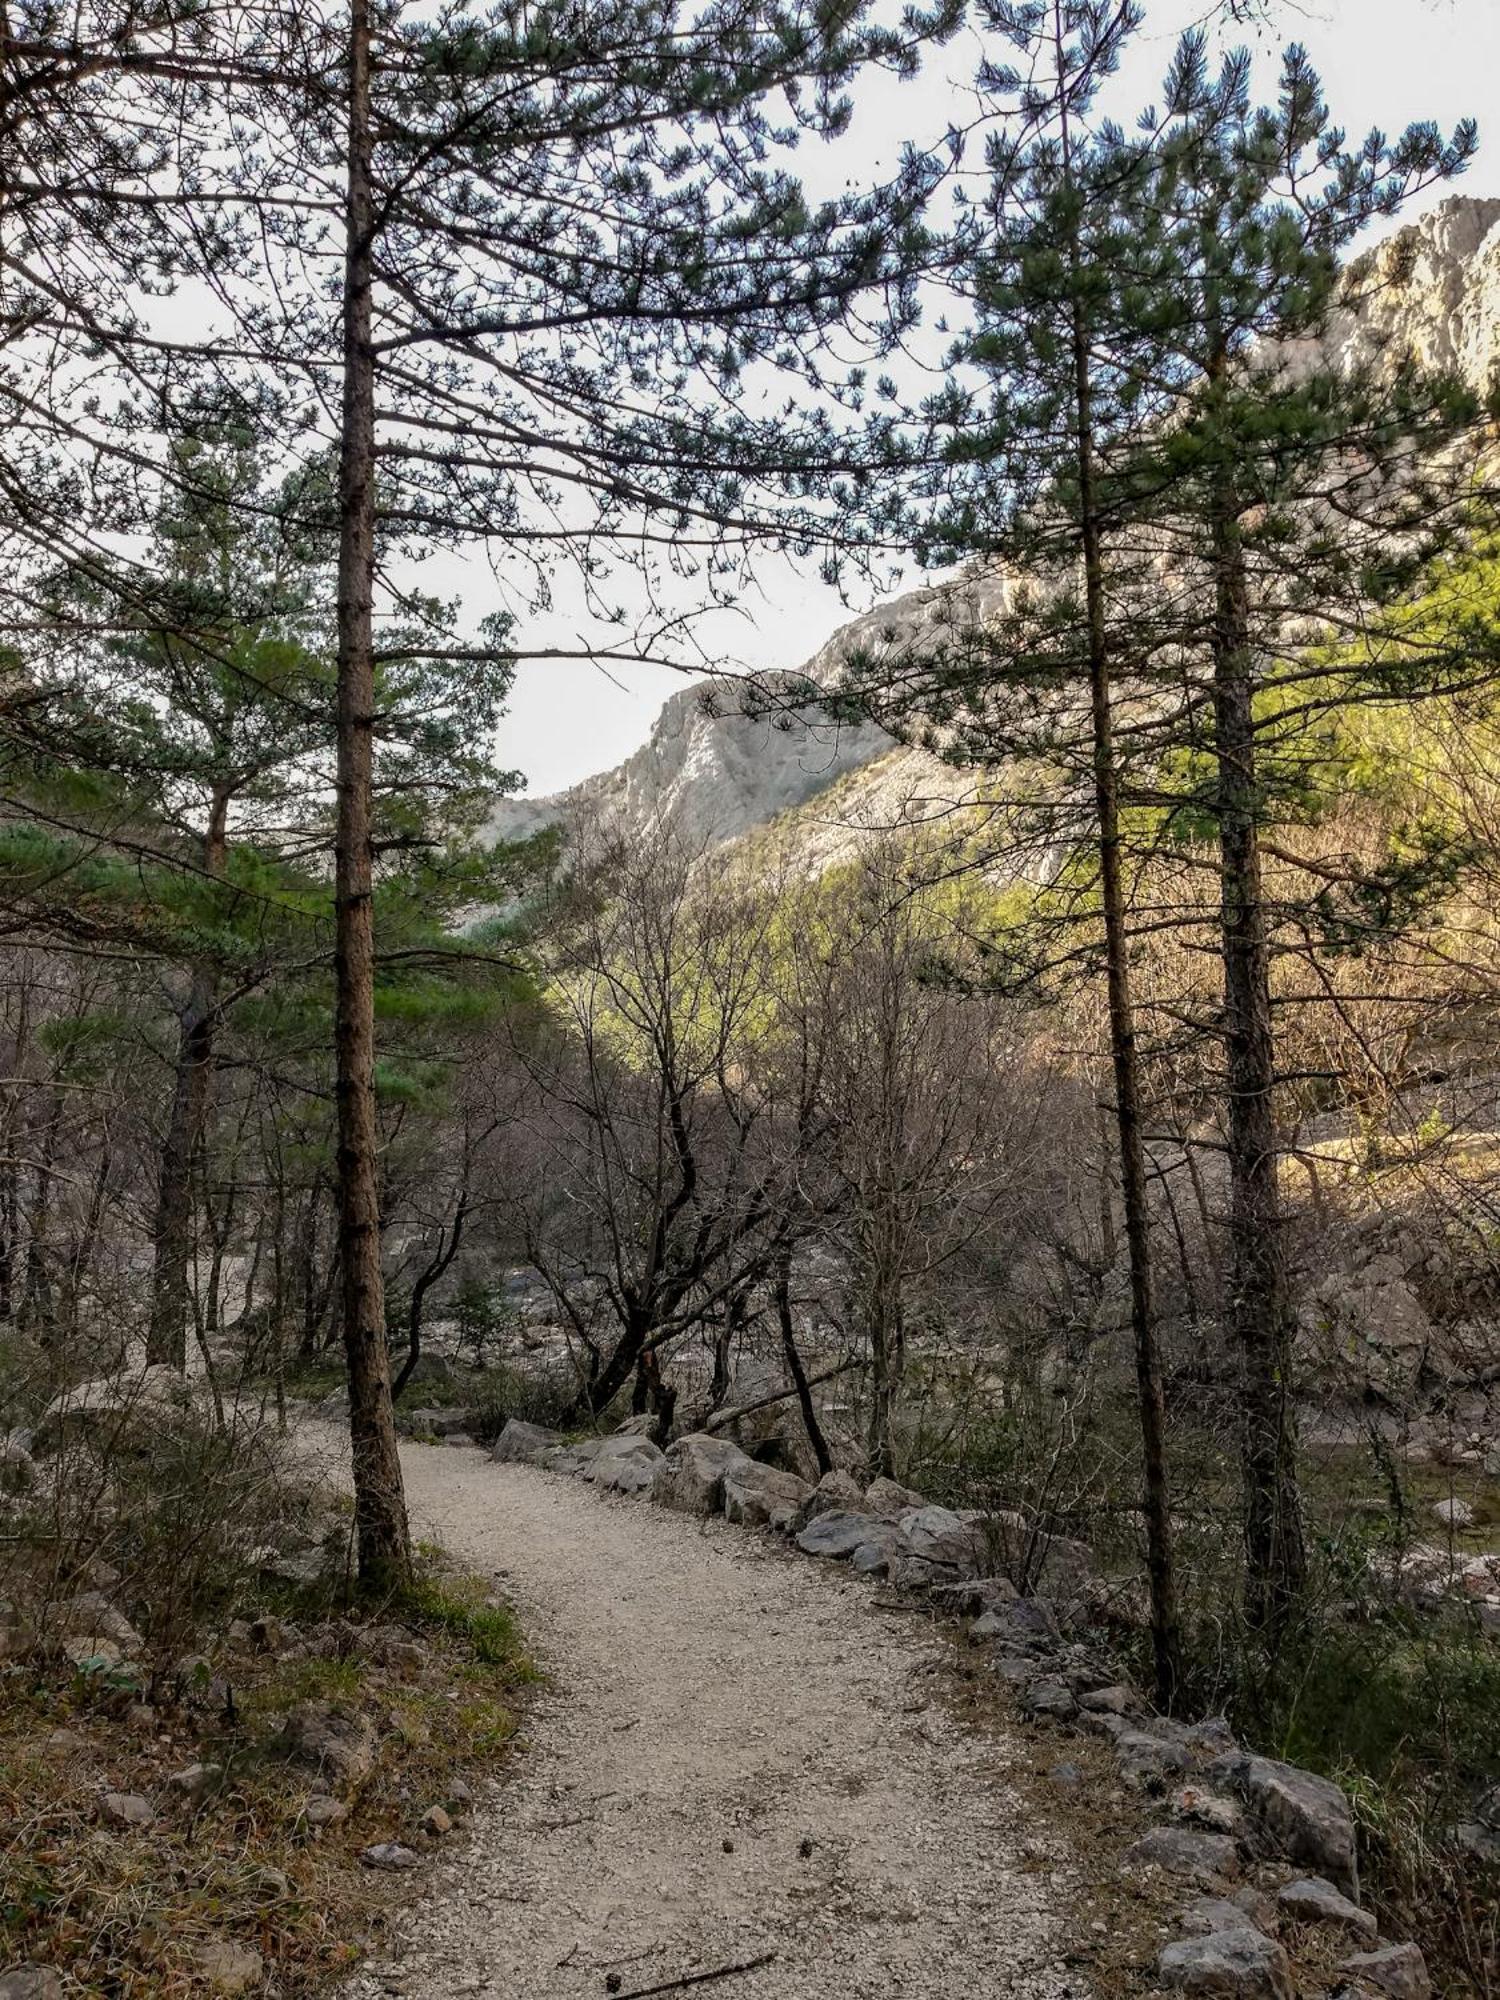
<point x="1384" y="62"/>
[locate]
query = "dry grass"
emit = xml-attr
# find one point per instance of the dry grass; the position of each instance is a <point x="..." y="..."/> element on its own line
<point x="127" y="1911"/>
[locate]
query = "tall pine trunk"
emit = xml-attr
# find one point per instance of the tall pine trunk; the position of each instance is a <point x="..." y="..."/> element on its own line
<point x="1259" y="1303"/>
<point x="379" y="1502"/>
<point x="1150" y="1395"/>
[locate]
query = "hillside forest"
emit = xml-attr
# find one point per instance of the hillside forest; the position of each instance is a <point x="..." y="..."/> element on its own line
<point x="1102" y="1132"/>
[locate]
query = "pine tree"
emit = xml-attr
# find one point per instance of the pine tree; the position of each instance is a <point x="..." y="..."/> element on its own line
<point x="1289" y="499"/>
<point x="1040" y="395"/>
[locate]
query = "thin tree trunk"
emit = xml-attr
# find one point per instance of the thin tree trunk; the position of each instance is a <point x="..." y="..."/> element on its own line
<point x="1259" y="1304"/>
<point x="172" y="1230"/>
<point x="1151" y="1399"/>
<point x="1165" y="1636"/>
<point x="815" y="1437"/>
<point x="425" y="1282"/>
<point x="883" y="1320"/>
<point x="37" y="1306"/>
<point x="379" y="1501"/>
<point x="8" y="1214"/>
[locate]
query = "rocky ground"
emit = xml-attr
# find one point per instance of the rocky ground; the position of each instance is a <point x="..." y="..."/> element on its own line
<point x="738" y="1764"/>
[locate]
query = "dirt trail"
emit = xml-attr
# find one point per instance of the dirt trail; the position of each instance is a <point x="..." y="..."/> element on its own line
<point x="736" y="1755"/>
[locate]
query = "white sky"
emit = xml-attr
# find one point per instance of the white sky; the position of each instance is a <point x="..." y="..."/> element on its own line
<point x="1383" y="62"/>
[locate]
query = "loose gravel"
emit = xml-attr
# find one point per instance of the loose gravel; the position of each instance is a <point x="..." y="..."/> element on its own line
<point x="739" y="1756"/>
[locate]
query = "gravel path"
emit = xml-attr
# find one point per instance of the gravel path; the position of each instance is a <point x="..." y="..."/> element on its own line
<point x="738" y="1753"/>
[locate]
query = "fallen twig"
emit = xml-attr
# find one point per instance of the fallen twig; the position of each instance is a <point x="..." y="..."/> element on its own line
<point x="698" y="1978"/>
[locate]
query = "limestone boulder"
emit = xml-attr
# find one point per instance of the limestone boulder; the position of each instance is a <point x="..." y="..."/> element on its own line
<point x="1312" y="1900"/>
<point x="1301" y="1815"/>
<point x="573" y="1460"/>
<point x="762" y="1496"/>
<point x="890" y="1501"/>
<point x="337" y="1743"/>
<point x="1395" y="1972"/>
<point x="1244" y="1963"/>
<point x="624" y="1465"/>
<point x="690" y="1477"/>
<point x="835" y="1492"/>
<point x="524" y="1444"/>
<point x="1186" y="1851"/>
<point x="842" y="1536"/>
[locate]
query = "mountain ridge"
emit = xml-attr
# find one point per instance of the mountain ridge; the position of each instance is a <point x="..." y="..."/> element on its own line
<point x="727" y="757"/>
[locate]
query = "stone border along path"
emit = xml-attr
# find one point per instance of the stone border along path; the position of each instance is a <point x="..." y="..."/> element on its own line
<point x="735" y="1756"/>
<point x="733" y="1789"/>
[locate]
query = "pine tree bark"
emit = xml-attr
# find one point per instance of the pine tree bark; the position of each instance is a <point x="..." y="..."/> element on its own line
<point x="1259" y="1303"/>
<point x="1150" y="1395"/>
<point x="379" y="1500"/>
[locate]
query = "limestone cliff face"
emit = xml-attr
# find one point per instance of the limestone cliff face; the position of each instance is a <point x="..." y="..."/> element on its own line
<point x="724" y="768"/>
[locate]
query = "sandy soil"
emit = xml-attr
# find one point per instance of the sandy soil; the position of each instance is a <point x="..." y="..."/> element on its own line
<point x="739" y="1755"/>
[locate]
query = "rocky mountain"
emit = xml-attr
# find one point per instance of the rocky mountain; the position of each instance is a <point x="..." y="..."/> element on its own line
<point x="727" y="762"/>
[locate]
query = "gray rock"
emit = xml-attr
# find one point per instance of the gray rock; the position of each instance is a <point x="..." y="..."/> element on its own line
<point x="524" y="1444"/>
<point x="389" y="1854"/>
<point x="690" y="1477"/>
<point x="1487" y="1810"/>
<point x="110" y="1406"/>
<point x="1148" y="1759"/>
<point x="876" y="1556"/>
<point x="461" y="1441"/>
<point x="336" y="1742"/>
<point x="1474" y="1838"/>
<point x="30" y="1982"/>
<point x="431" y="1368"/>
<point x="196" y="1781"/>
<point x="1311" y="1900"/>
<point x="1454" y="1513"/>
<point x="17" y="1466"/>
<point x="438" y="1423"/>
<point x="302" y="1569"/>
<point x="91" y="1615"/>
<point x="834" y="1492"/>
<point x="1184" y="1850"/>
<point x="1305" y="1816"/>
<point x="127" y="1809"/>
<point x="1022" y="1621"/>
<point x="1211" y="1738"/>
<point x="230" y="1967"/>
<point x="625" y="1465"/>
<point x="572" y="1460"/>
<point x="1238" y="1962"/>
<point x="924" y="1527"/>
<point x="1208" y="1809"/>
<point x="890" y="1501"/>
<point x="1118" y="1699"/>
<point x="1396" y="1971"/>
<point x="323" y="1809"/>
<point x="1050" y="1696"/>
<point x="838" y="1534"/>
<point x="763" y="1496"/>
<point x="973" y="1596"/>
<point x="1207" y="1914"/>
